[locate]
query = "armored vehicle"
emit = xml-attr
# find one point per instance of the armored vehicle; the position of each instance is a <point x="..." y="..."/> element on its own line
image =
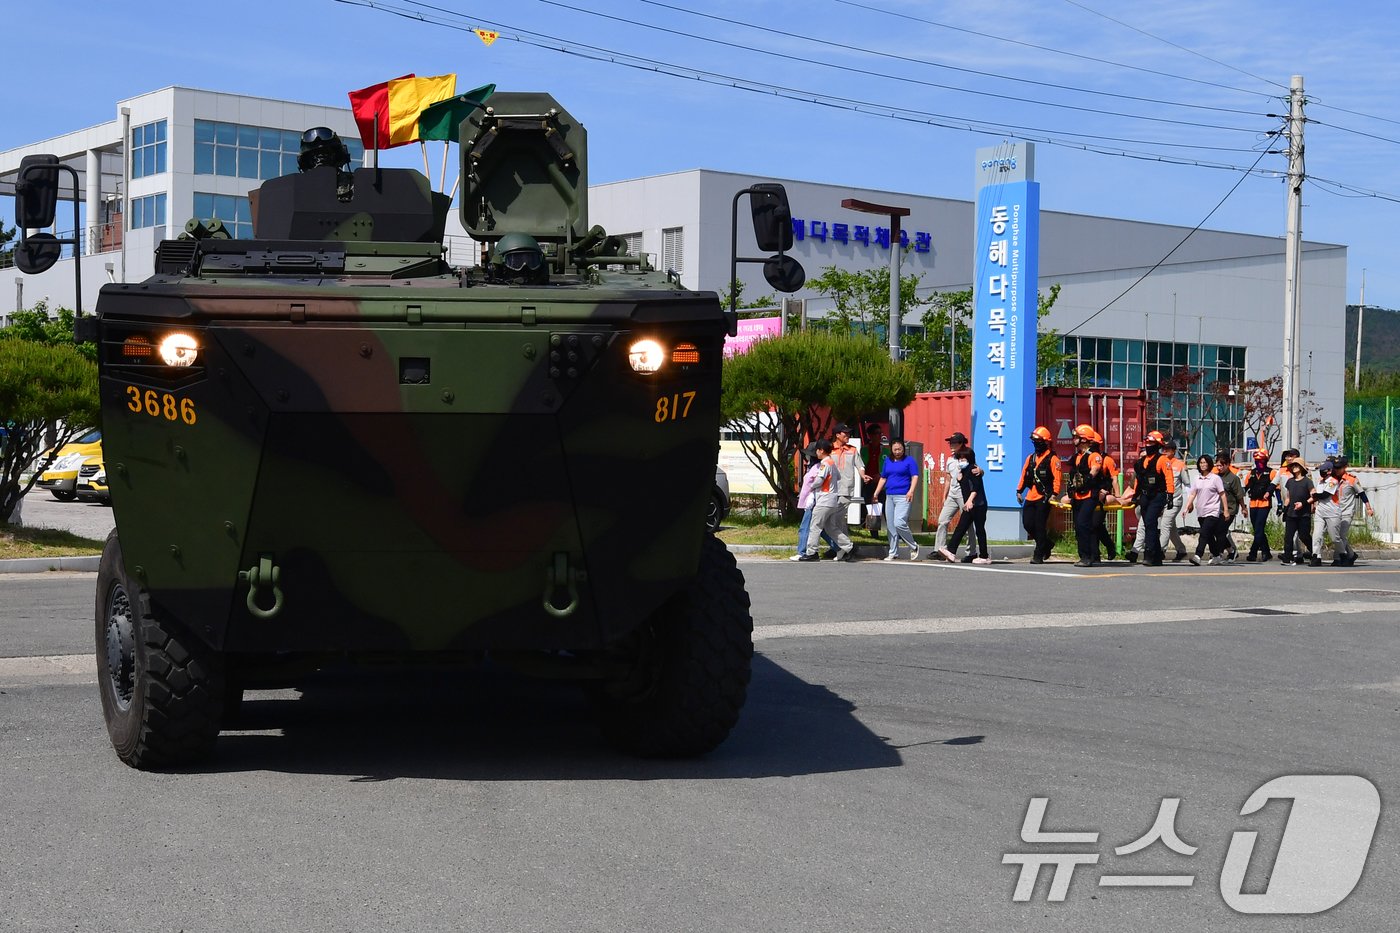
<point x="326" y="443"/>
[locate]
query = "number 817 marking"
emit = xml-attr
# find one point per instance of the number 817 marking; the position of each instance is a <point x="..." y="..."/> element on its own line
<point x="669" y="408"/>
<point x="161" y="405"/>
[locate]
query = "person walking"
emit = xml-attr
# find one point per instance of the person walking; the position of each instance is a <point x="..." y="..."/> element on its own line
<point x="1207" y="498"/>
<point x="1110" y="479"/>
<point x="899" y="480"/>
<point x="974" y="513"/>
<point x="1234" y="503"/>
<point x="1326" y="516"/>
<point x="1040" y="481"/>
<point x="828" y="514"/>
<point x="805" y="497"/>
<point x="1084" y="494"/>
<point x="953" y="498"/>
<point x="1296" y="498"/>
<point x="1261" y="485"/>
<point x="1153" y="486"/>
<point x="1349" y="492"/>
<point x="1171" y="527"/>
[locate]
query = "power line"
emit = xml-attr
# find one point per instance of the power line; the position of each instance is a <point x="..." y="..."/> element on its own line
<point x="1358" y="192"/>
<point x="847" y="47"/>
<point x="1247" y="74"/>
<point x="1346" y="129"/>
<point x="629" y="60"/>
<point x="1178" y="246"/>
<point x="1046" y="48"/>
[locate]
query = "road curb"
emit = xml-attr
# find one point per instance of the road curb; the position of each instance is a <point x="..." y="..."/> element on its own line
<point x="44" y="564"/>
<point x="997" y="552"/>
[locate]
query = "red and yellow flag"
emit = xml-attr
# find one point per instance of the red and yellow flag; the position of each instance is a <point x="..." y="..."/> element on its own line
<point x="370" y="104"/>
<point x="409" y="97"/>
<point x="487" y="35"/>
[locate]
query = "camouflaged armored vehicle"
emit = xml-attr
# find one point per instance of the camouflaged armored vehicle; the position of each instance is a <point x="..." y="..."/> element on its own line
<point x="325" y="443"/>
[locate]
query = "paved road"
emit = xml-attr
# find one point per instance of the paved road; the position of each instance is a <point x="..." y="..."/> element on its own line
<point x="901" y="718"/>
<point x="89" y="519"/>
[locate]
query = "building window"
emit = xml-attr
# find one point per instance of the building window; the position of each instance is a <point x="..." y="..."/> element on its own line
<point x="256" y="152"/>
<point x="148" y="149"/>
<point x="232" y="209"/>
<point x="1184" y="381"/>
<point x="634" y="243"/>
<point x="148" y="211"/>
<point x="673" y="249"/>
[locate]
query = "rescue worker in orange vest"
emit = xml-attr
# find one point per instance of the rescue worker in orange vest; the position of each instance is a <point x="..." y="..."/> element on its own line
<point x="1153" y="486"/>
<point x="1040" y="480"/>
<point x="1101" y="535"/>
<point x="1085" y="492"/>
<point x="1260" y="487"/>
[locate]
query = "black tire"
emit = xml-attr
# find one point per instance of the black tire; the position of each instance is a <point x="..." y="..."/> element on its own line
<point x="715" y="516"/>
<point x="163" y="691"/>
<point x="64" y="495"/>
<point x="691" y="667"/>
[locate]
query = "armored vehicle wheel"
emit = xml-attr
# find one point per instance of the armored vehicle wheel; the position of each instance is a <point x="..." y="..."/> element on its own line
<point x="691" y="667"/>
<point x="162" y="690"/>
<point x="64" y="495"/>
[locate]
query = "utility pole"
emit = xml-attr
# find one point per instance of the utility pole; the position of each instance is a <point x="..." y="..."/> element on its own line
<point x="1293" y="265"/>
<point x="1360" y="314"/>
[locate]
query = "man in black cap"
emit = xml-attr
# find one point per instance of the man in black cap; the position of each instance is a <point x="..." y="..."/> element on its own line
<point x="953" y="498"/>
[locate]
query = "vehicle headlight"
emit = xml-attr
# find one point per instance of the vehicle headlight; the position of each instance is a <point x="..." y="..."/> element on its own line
<point x="646" y="356"/>
<point x="178" y="350"/>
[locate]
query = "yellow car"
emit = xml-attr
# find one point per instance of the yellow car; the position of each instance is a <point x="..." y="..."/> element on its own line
<point x="61" y="478"/>
<point x="92" y="481"/>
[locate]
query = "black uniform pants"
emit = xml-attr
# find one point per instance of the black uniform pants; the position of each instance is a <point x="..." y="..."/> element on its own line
<point x="976" y="519"/>
<point x="1259" y="518"/>
<point x="1209" y="535"/>
<point x="1035" y="518"/>
<point x="1151" y="518"/>
<point x="1085" y="531"/>
<point x="1301" y="526"/>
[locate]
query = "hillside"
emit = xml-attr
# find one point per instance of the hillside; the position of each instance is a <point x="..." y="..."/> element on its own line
<point x="1380" y="339"/>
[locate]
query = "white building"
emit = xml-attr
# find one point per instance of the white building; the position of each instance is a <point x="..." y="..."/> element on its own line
<point x="191" y="153"/>
<point x="1216" y="304"/>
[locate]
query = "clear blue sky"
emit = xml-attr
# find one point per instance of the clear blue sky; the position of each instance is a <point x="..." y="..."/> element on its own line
<point x="1194" y="82"/>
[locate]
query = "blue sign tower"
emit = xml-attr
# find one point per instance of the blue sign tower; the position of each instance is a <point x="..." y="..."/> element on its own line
<point x="1005" y="286"/>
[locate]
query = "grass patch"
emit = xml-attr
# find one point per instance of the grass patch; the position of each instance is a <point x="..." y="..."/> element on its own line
<point x="44" y="542"/>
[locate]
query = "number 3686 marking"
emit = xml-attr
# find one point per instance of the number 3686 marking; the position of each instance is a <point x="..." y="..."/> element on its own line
<point x="161" y="405"/>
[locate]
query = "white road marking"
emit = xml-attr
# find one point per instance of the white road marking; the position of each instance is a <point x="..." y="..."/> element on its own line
<point x="953" y="624"/>
<point x="48" y="669"/>
<point x="82" y="668"/>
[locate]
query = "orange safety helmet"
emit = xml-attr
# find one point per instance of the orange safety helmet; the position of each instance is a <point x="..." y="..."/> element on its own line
<point x="1085" y="432"/>
<point x="1043" y="433"/>
<point x="1261" y="454"/>
<point x="1098" y="438"/>
<point x="1154" y="437"/>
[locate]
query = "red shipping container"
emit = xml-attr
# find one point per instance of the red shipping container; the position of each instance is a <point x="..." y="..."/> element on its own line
<point x="1117" y="414"/>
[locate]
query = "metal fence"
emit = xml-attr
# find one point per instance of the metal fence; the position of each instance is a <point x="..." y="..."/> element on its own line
<point x="1369" y="436"/>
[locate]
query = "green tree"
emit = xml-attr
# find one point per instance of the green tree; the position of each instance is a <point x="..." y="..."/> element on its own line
<point x="36" y="325"/>
<point x="941" y="351"/>
<point x="787" y="390"/>
<point x="40" y="384"/>
<point x="862" y="300"/>
<point x="6" y="252"/>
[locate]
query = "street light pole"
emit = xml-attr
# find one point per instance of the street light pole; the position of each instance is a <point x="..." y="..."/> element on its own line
<point x="894" y="214"/>
<point x="1360" y="314"/>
